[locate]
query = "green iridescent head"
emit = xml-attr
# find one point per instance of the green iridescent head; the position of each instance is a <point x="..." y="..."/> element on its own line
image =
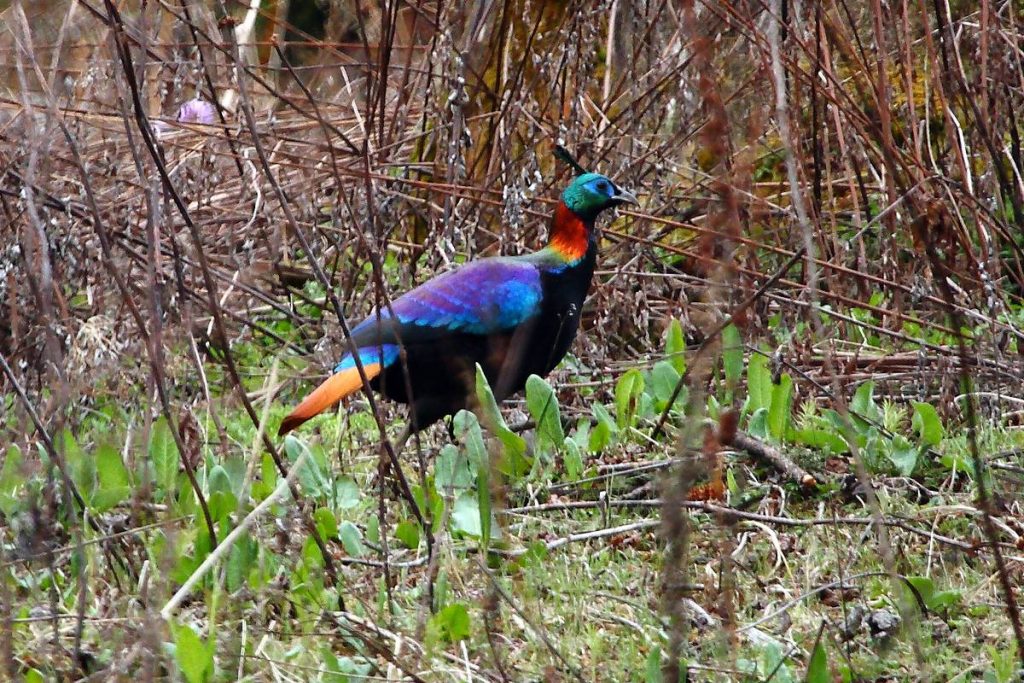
<point x="591" y="193"/>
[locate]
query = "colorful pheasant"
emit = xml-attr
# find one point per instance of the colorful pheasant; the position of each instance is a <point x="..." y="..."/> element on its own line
<point x="515" y="316"/>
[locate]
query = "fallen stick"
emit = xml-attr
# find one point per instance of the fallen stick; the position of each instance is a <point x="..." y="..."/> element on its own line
<point x="773" y="456"/>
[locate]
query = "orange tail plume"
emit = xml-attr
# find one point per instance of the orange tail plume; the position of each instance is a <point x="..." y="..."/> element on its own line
<point x="332" y="390"/>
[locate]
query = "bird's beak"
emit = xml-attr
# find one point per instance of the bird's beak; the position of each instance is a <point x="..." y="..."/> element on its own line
<point x="626" y="197"/>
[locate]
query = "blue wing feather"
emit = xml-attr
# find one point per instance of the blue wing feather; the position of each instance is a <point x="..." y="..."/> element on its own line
<point x="481" y="297"/>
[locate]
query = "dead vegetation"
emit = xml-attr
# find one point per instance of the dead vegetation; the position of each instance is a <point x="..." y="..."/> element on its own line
<point x="838" y="183"/>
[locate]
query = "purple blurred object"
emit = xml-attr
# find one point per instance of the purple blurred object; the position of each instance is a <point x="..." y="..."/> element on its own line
<point x="197" y="111"/>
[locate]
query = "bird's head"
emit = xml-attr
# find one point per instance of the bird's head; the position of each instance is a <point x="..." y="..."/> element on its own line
<point x="591" y="193"/>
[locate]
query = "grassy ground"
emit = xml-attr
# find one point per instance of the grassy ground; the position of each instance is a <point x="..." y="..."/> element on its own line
<point x="767" y="589"/>
<point x="787" y="444"/>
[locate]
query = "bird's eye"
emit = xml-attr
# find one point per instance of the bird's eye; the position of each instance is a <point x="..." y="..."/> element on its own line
<point x="602" y="187"/>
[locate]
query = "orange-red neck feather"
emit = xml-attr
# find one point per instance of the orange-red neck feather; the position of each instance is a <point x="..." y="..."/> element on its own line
<point x="570" y="236"/>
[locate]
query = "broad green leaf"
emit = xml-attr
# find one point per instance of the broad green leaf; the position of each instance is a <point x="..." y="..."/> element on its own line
<point x="652" y="667"/>
<point x="675" y="346"/>
<point x="903" y="455"/>
<point x="943" y="600"/>
<point x="513" y="462"/>
<point x="927" y="423"/>
<point x="466" y="514"/>
<point x="483" y="495"/>
<point x="222" y="504"/>
<point x="732" y="355"/>
<point x="326" y="523"/>
<point x="468" y="428"/>
<point x="572" y="460"/>
<point x="194" y="657"/>
<point x="351" y="539"/>
<point x="264" y="486"/>
<point x="543" y="406"/>
<point x="164" y="454"/>
<point x="822" y="439"/>
<point x="782" y="403"/>
<point x="11" y="479"/>
<point x="240" y="561"/>
<point x="373" y="529"/>
<point x="346" y="492"/>
<point x="112" y="483"/>
<point x="664" y="379"/>
<point x="218" y="480"/>
<point x="481" y="464"/>
<point x="759" y="383"/>
<point x="758" y="426"/>
<point x="33" y="676"/>
<point x="628" y="390"/>
<point x="604" y="431"/>
<point x="408" y="532"/>
<point x="817" y="668"/>
<point x="863" y="406"/>
<point x="452" y="622"/>
<point x="452" y="471"/>
<point x="83" y="469"/>
<point x="924" y="585"/>
<point x="311" y="476"/>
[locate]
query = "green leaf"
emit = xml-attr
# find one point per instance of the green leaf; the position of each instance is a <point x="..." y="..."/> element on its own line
<point x="943" y="600"/>
<point x="732" y="355"/>
<point x="758" y="426"/>
<point x="572" y="460"/>
<point x="452" y="471"/>
<point x="373" y="529"/>
<point x="903" y="455"/>
<point x="863" y="405"/>
<point x="480" y="462"/>
<point x="604" y="431"/>
<point x="452" y="622"/>
<point x="927" y="423"/>
<point x="346" y="493"/>
<point x="759" y="383"/>
<point x="817" y="668"/>
<point x="822" y="439"/>
<point x="194" y="657"/>
<point x="675" y="346"/>
<point x="652" y="666"/>
<point x="326" y="523"/>
<point x="112" y="483"/>
<point x="628" y="390"/>
<point x="466" y="514"/>
<point x="11" y="479"/>
<point x="218" y="480"/>
<point x="164" y="454"/>
<point x="268" y="478"/>
<point x="311" y="476"/>
<point x="924" y="585"/>
<point x="408" y="532"/>
<point x="83" y="470"/>
<point x="513" y="462"/>
<point x="782" y="403"/>
<point x="221" y="504"/>
<point x="483" y="495"/>
<point x="664" y="379"/>
<point x="351" y="539"/>
<point x="33" y="676"/>
<point x="543" y="406"/>
<point x="240" y="560"/>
